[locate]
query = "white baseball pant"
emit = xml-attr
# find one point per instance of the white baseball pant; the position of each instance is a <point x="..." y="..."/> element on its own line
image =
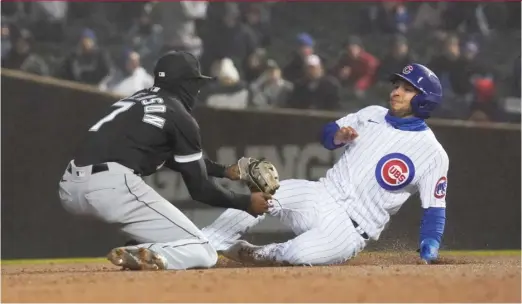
<point x="325" y="232"/>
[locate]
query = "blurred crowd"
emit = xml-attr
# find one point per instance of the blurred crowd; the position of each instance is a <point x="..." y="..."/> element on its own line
<point x="335" y="56"/>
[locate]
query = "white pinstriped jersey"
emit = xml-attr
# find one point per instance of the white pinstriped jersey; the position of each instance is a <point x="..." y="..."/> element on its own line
<point x="383" y="167"/>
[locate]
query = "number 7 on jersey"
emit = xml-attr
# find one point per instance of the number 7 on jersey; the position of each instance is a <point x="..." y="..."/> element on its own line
<point x="122" y="107"/>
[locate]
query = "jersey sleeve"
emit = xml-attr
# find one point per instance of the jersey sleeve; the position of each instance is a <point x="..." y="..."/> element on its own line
<point x="434" y="182"/>
<point x="186" y="139"/>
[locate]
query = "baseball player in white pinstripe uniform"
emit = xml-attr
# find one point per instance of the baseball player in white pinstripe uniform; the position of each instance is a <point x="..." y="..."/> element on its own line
<point x="389" y="154"/>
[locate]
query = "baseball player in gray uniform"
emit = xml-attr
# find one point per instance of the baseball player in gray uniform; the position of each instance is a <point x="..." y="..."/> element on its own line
<point x="138" y="135"/>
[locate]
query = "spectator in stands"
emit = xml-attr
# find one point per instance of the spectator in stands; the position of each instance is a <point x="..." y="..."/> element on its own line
<point x="178" y="20"/>
<point x="20" y="56"/>
<point x="259" y="23"/>
<point x="396" y="59"/>
<point x="469" y="17"/>
<point x="88" y="63"/>
<point x="48" y="20"/>
<point x="429" y="16"/>
<point x="389" y="17"/>
<point x="131" y="77"/>
<point x="229" y="38"/>
<point x="469" y="70"/>
<point x="356" y="68"/>
<point x="229" y="91"/>
<point x="316" y="90"/>
<point x="445" y="63"/>
<point x="295" y="69"/>
<point x="270" y="90"/>
<point x="457" y="71"/>
<point x="146" y="38"/>
<point x="6" y="39"/>
<point x="256" y="64"/>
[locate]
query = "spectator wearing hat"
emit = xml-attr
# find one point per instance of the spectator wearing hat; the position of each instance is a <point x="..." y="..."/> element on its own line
<point x="20" y="56"/>
<point x="356" y="68"/>
<point x="316" y="90"/>
<point x="270" y="90"/>
<point x="295" y="69"/>
<point x="398" y="56"/>
<point x="88" y="63"/>
<point x="229" y="91"/>
<point x="129" y="78"/>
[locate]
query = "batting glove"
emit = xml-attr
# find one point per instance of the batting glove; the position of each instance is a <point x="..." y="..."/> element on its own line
<point x="429" y="250"/>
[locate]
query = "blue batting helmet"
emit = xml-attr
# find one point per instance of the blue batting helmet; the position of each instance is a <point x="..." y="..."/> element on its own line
<point x="428" y="85"/>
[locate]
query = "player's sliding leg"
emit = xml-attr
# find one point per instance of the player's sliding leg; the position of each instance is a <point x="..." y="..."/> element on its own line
<point x="294" y="204"/>
<point x="229" y="227"/>
<point x="334" y="241"/>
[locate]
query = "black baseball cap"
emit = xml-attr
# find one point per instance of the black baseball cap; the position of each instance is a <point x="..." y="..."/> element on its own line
<point x="176" y="66"/>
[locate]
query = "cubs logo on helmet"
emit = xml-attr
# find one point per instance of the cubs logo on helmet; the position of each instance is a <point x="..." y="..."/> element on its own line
<point x="407" y="69"/>
<point x="440" y="188"/>
<point x="394" y="171"/>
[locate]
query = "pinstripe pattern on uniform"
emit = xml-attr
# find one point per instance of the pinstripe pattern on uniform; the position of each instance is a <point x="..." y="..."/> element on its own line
<point x="229" y="227"/>
<point x="353" y="176"/>
<point x="291" y="204"/>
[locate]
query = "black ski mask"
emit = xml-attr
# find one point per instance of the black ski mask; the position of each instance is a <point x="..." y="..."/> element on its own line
<point x="186" y="90"/>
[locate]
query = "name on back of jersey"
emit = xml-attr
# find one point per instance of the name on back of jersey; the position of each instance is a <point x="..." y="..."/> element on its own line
<point x="152" y="104"/>
<point x="154" y="108"/>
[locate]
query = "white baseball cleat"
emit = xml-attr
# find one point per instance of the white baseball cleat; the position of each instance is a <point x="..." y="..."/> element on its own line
<point x="137" y="259"/>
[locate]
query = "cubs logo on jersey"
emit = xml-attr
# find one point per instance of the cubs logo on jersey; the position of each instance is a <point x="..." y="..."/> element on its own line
<point x="440" y="188"/>
<point x="394" y="171"/>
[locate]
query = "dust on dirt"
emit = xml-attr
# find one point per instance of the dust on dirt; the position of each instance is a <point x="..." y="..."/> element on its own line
<point x="371" y="277"/>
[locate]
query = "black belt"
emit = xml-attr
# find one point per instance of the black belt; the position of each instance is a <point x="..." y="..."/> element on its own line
<point x="361" y="232"/>
<point x="96" y="168"/>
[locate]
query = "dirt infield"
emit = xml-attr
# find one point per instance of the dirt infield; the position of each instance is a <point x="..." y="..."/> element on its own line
<point x="371" y="277"/>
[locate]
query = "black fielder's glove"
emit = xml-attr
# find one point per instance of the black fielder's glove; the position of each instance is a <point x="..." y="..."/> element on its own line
<point x="259" y="174"/>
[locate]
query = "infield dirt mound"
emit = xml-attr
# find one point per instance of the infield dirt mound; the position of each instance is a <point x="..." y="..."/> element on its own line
<point x="371" y="277"/>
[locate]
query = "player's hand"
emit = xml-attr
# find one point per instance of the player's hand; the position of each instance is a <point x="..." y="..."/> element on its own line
<point x="429" y="250"/>
<point x="232" y="172"/>
<point x="259" y="203"/>
<point x="344" y="135"/>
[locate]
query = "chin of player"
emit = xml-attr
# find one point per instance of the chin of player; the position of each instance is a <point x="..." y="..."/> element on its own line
<point x="399" y="110"/>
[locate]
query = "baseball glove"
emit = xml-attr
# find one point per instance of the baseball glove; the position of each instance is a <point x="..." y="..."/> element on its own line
<point x="259" y="174"/>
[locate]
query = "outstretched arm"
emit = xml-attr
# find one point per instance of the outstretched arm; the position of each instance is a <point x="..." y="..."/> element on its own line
<point x="432" y="188"/>
<point x="214" y="169"/>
